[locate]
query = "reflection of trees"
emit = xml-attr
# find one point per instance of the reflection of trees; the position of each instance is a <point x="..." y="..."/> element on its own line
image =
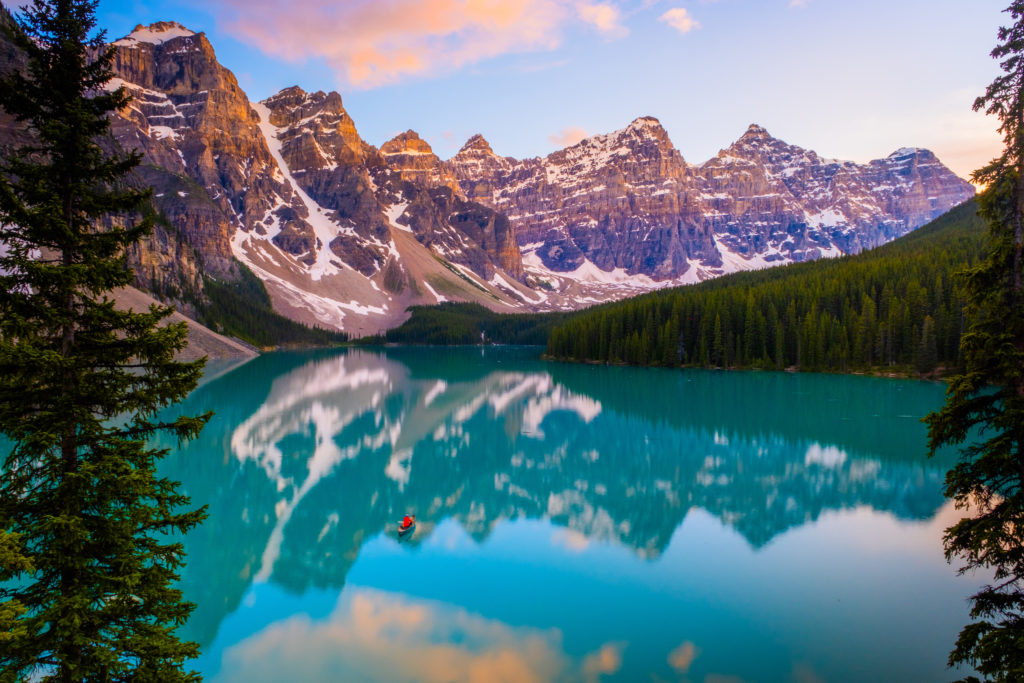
<point x="311" y="455"/>
<point x="872" y="416"/>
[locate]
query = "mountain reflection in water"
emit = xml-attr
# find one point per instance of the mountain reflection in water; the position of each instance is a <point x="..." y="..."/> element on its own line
<point x="313" y="456"/>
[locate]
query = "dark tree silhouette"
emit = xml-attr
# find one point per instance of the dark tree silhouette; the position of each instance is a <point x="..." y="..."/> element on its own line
<point x="985" y="403"/>
<point x="87" y="562"/>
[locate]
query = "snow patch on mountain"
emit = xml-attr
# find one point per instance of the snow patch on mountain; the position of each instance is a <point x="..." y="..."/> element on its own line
<point x="437" y="297"/>
<point x="396" y="211"/>
<point x="155" y="34"/>
<point x="360" y="238"/>
<point x="828" y="218"/>
<point x="328" y="310"/>
<point x="733" y="262"/>
<point x="323" y="227"/>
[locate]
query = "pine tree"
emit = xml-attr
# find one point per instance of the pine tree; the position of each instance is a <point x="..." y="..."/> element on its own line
<point x="718" y="344"/>
<point x="928" y="353"/>
<point x="985" y="403"/>
<point x="87" y="562"/>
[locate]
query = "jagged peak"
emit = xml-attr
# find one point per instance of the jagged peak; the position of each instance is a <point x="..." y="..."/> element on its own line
<point x="286" y="101"/>
<point x="644" y="122"/>
<point x="904" y="152"/>
<point x="757" y="145"/>
<point x="294" y="97"/>
<point x="290" y="97"/>
<point x="644" y="136"/>
<point x="156" y="33"/>
<point x="294" y="106"/>
<point x="408" y="142"/>
<point x="757" y="139"/>
<point x="408" y="135"/>
<point x="290" y="91"/>
<point x="756" y="132"/>
<point x="644" y="127"/>
<point x="477" y="145"/>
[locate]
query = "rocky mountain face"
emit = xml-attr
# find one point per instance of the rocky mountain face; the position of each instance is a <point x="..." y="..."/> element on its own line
<point x="189" y="117"/>
<point x="287" y="187"/>
<point x="617" y="201"/>
<point x="779" y="202"/>
<point x="628" y="204"/>
<point x="317" y="149"/>
<point x="346" y="235"/>
<point x="438" y="213"/>
<point x="414" y="161"/>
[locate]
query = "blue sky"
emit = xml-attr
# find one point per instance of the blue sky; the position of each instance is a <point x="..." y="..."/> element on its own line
<point x="851" y="80"/>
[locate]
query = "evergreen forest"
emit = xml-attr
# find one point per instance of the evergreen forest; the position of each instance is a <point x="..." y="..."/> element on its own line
<point x="897" y="308"/>
<point x="243" y="309"/>
<point x="452" y="324"/>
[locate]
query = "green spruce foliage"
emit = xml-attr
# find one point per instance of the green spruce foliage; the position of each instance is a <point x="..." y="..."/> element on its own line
<point x="895" y="308"/>
<point x="88" y="557"/>
<point x="458" y="323"/>
<point x="984" y="410"/>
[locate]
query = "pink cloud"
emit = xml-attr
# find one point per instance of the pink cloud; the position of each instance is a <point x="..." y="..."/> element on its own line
<point x="679" y="19"/>
<point x="376" y="42"/>
<point x="604" y="17"/>
<point x="568" y="136"/>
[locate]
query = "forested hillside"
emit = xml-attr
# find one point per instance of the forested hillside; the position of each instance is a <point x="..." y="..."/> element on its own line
<point x="242" y="309"/>
<point x="895" y="307"/>
<point x="458" y="323"/>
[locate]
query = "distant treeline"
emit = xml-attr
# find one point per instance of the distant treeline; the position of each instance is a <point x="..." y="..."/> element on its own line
<point x="894" y="307"/>
<point x="458" y="323"/>
<point x="242" y="309"/>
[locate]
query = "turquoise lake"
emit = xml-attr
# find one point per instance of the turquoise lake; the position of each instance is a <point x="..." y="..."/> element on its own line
<point x="575" y="523"/>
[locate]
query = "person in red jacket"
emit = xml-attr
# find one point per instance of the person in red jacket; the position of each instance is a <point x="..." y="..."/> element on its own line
<point x="408" y="521"/>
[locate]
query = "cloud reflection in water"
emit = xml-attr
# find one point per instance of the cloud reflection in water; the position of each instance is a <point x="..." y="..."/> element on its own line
<point x="387" y="636"/>
<point x="313" y="458"/>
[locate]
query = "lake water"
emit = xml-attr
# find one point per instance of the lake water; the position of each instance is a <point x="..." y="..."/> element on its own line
<point x="573" y="523"/>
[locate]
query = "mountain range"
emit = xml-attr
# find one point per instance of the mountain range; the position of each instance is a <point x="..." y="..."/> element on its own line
<point x="346" y="235"/>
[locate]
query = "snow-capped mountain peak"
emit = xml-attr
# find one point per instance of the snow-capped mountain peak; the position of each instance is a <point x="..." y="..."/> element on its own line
<point x="646" y="125"/>
<point x="155" y="34"/>
<point x="477" y="146"/>
<point x="756" y="131"/>
<point x="627" y="205"/>
<point x="904" y="152"/>
<point x="347" y="235"/>
<point x="642" y="129"/>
